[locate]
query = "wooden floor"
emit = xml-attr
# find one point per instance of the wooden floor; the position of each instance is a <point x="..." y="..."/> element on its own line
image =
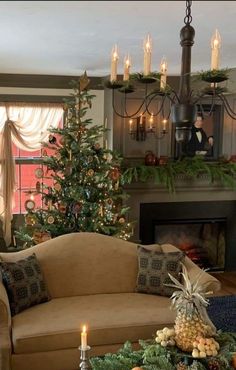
<point x="228" y="282"/>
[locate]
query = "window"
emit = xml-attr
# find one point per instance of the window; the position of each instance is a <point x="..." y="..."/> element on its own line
<point x="26" y="164"/>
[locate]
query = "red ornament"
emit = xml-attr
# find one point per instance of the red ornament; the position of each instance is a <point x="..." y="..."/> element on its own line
<point x="150" y="158"/>
<point x="114" y="174"/>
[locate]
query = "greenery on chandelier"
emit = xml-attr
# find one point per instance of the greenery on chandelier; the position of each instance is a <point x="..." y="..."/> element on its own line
<point x="80" y="183"/>
<point x="153" y="356"/>
<point x="188" y="168"/>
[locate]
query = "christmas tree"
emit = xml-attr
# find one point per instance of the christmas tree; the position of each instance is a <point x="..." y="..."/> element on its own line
<point x="85" y="193"/>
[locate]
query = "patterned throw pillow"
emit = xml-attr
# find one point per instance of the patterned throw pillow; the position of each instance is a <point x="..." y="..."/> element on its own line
<point x="154" y="267"/>
<point x="24" y="283"/>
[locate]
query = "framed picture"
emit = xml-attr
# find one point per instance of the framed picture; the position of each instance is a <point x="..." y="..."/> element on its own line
<point x="206" y="135"/>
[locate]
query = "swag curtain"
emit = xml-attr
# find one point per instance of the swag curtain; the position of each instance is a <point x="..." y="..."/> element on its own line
<point x="26" y="126"/>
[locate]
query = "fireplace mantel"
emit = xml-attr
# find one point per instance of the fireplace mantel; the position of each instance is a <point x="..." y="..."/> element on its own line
<point x="185" y="191"/>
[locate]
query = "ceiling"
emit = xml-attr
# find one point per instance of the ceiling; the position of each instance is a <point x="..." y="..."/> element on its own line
<point x="68" y="37"/>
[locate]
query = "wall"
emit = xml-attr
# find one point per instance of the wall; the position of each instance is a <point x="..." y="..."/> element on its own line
<point x="134" y="153"/>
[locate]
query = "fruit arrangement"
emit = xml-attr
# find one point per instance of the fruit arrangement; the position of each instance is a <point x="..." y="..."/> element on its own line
<point x="190" y="302"/>
<point x="203" y="347"/>
<point x="165" y="337"/>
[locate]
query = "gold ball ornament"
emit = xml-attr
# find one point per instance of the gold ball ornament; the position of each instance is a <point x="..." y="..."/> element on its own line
<point x="90" y="172"/>
<point x="30" y="220"/>
<point x="121" y="220"/>
<point x="62" y="207"/>
<point x="137" y="368"/>
<point x="57" y="186"/>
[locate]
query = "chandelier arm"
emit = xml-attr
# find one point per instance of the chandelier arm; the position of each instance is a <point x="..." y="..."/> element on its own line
<point x="126" y="115"/>
<point x="172" y="100"/>
<point x="227" y="107"/>
<point x="151" y="113"/>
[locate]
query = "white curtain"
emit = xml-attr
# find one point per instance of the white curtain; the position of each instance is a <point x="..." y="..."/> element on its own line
<point x="27" y="126"/>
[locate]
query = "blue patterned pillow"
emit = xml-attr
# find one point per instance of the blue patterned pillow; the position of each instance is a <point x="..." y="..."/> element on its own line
<point x="154" y="267"/>
<point x="24" y="283"/>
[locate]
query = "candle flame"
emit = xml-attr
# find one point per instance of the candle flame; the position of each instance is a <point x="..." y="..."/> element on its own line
<point x="115" y="53"/>
<point x="216" y="40"/>
<point x="163" y="65"/>
<point x="148" y="44"/>
<point x="84" y="329"/>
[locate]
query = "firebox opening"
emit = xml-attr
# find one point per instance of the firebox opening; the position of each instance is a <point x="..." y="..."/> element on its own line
<point x="202" y="240"/>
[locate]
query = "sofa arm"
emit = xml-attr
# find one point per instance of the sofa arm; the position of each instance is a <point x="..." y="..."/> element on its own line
<point x="193" y="271"/>
<point x="5" y="329"/>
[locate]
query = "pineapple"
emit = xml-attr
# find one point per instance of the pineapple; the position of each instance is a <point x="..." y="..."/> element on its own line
<point x="190" y="302"/>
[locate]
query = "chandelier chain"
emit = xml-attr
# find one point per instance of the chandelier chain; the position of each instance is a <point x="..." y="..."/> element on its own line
<point x="188" y="18"/>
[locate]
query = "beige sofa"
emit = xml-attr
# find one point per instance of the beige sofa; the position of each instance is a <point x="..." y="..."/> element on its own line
<point x="91" y="279"/>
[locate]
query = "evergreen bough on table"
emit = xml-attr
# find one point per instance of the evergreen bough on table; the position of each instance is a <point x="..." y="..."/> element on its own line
<point x="153" y="356"/>
<point x="86" y="192"/>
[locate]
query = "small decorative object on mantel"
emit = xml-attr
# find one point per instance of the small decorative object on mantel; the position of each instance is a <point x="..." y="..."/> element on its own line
<point x="150" y="158"/>
<point x="163" y="160"/>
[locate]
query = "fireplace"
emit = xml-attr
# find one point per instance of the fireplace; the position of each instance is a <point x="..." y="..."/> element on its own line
<point x="205" y="231"/>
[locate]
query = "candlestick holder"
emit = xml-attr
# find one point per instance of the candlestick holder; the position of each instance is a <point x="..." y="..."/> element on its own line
<point x="84" y="357"/>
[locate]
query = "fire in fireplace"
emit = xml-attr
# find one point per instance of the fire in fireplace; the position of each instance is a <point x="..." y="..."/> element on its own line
<point x="205" y="230"/>
<point x="203" y="241"/>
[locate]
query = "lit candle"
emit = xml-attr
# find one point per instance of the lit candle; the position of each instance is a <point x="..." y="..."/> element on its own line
<point x="84" y="338"/>
<point x="164" y="122"/>
<point x="215" y="50"/>
<point x="127" y="65"/>
<point x="31" y="196"/>
<point x="151" y="120"/>
<point x="130" y="125"/>
<point x="114" y="62"/>
<point x="147" y="47"/>
<point x="163" y="68"/>
<point x="141" y="120"/>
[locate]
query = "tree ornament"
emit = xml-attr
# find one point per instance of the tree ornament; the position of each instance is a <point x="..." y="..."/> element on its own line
<point x="83" y="81"/>
<point x="50" y="219"/>
<point x="68" y="170"/>
<point x="30" y="219"/>
<point x="117" y="185"/>
<point x="52" y="139"/>
<point x="90" y="172"/>
<point x="62" y="140"/>
<point x="39" y="172"/>
<point x="29" y="205"/>
<point x="234" y="360"/>
<point x="62" y="207"/>
<point x="137" y="368"/>
<point x="44" y="153"/>
<point x="76" y="208"/>
<point x="38" y="187"/>
<point x="37" y="236"/>
<point x="90" y="159"/>
<point x="121" y="220"/>
<point x="114" y="174"/>
<point x="109" y="201"/>
<point x="57" y="186"/>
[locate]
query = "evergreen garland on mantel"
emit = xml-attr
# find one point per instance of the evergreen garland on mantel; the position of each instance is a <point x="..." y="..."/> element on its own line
<point x="186" y="169"/>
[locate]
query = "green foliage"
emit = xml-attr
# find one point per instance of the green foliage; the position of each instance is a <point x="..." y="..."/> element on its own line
<point x="81" y="183"/>
<point x="191" y="168"/>
<point x="152" y="356"/>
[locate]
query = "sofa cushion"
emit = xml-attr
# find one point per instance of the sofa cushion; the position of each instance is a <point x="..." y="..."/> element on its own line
<point x="24" y="283"/>
<point x="154" y="267"/>
<point x="111" y="319"/>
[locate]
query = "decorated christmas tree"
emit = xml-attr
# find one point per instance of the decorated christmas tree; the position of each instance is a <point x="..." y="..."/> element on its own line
<point x="80" y="184"/>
